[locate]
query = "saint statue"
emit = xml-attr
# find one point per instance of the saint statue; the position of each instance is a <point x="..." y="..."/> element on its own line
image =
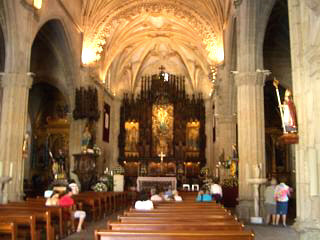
<point x="289" y="113"/>
<point x="86" y="138"/>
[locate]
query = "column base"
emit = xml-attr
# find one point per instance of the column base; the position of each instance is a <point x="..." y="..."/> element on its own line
<point x="5" y="197"/>
<point x="307" y="230"/>
<point x="245" y="210"/>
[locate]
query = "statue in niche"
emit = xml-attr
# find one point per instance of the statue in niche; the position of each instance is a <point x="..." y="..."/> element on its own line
<point x="86" y="138"/>
<point x="193" y="135"/>
<point x="132" y="136"/>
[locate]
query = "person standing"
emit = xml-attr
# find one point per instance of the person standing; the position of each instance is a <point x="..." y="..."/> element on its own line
<point x="281" y="195"/>
<point x="270" y="202"/>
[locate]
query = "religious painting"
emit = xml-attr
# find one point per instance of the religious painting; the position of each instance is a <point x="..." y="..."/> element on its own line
<point x="132" y="139"/>
<point x="162" y="129"/>
<point x="106" y="122"/>
<point x="192" y="137"/>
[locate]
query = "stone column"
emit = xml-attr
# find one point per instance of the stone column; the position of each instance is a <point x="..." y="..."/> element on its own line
<point x="13" y="126"/>
<point x="305" y="58"/>
<point x="115" y="131"/>
<point x="209" y="131"/>
<point x="251" y="135"/>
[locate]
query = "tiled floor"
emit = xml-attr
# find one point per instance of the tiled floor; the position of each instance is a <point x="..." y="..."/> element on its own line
<point x="262" y="232"/>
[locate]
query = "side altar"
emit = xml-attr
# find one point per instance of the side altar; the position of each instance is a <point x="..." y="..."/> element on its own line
<point x="160" y="182"/>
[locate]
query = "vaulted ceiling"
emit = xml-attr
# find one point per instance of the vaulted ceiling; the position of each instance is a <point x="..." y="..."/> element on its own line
<point x="128" y="39"/>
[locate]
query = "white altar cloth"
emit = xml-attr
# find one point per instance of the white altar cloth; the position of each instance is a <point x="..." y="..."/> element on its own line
<point x="170" y="180"/>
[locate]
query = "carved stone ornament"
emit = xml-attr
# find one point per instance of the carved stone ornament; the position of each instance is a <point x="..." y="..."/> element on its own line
<point x="237" y="3"/>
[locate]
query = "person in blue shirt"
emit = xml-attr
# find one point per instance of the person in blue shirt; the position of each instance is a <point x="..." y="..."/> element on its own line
<point x="204" y="197"/>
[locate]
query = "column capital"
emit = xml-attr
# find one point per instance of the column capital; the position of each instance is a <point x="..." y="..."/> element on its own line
<point x="251" y="78"/>
<point x="17" y="79"/>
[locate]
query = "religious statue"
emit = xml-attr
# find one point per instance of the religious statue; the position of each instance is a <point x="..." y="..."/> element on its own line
<point x="132" y="136"/>
<point x="289" y="113"/>
<point x="86" y="138"/>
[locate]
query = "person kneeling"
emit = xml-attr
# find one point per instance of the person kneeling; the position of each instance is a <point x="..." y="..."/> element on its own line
<point x="67" y="201"/>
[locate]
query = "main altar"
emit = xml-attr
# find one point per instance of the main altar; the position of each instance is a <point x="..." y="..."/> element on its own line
<point x="158" y="182"/>
<point x="162" y="130"/>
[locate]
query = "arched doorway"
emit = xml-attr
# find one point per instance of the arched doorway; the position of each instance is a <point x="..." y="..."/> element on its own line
<point x="280" y="159"/>
<point x="48" y="108"/>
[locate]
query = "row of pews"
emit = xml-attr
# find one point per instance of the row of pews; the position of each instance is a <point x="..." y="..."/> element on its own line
<point x="187" y="220"/>
<point x="29" y="219"/>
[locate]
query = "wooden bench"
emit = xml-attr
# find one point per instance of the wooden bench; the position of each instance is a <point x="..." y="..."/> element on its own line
<point x="21" y="219"/>
<point x="9" y="228"/>
<point x="105" y="234"/>
<point x="41" y="216"/>
<point x="56" y="212"/>
<point x="153" y="219"/>
<point x="171" y="214"/>
<point x="175" y="226"/>
<point x="183" y="210"/>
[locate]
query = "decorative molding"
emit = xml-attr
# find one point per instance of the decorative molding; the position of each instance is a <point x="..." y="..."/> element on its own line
<point x="251" y="78"/>
<point x="17" y="79"/>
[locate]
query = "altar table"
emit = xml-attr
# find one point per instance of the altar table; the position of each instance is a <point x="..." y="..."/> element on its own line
<point x="148" y="182"/>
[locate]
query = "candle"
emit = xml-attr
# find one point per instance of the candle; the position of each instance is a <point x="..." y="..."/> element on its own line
<point x="11" y="168"/>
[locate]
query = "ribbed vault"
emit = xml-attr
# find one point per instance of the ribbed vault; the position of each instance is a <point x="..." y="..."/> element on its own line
<point x="128" y="39"/>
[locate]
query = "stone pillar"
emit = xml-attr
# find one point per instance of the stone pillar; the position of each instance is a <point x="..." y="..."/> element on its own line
<point x="251" y="135"/>
<point x="13" y="126"/>
<point x="209" y="131"/>
<point x="115" y="131"/>
<point x="305" y="58"/>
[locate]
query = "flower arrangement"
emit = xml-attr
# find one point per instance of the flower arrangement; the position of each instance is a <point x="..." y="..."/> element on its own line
<point x="204" y="171"/>
<point x="119" y="170"/>
<point x="100" y="187"/>
<point x="230" y="182"/>
<point x="107" y="179"/>
<point x="97" y="150"/>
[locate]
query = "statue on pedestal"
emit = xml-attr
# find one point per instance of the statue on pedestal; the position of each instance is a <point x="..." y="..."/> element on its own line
<point x="86" y="138"/>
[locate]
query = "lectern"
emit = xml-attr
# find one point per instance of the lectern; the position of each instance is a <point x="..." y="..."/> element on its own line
<point x="85" y="166"/>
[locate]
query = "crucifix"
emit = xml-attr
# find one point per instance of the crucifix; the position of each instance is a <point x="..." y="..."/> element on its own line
<point x="161" y="155"/>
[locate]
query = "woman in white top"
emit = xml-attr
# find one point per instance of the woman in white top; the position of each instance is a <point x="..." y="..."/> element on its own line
<point x="143" y="203"/>
<point x="216" y="192"/>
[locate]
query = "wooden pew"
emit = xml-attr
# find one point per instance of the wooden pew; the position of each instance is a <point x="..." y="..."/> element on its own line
<point x="155" y="219"/>
<point x="9" y="229"/>
<point x="175" y="226"/>
<point x="41" y="216"/>
<point x="104" y="234"/>
<point x="21" y="219"/>
<point x="183" y="210"/>
<point x="56" y="212"/>
<point x="171" y="214"/>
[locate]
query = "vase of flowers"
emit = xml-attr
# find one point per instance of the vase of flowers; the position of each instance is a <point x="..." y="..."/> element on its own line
<point x="100" y="187"/>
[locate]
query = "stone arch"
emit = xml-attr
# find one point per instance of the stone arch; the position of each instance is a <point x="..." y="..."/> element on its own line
<point x="51" y="96"/>
<point x="53" y="37"/>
